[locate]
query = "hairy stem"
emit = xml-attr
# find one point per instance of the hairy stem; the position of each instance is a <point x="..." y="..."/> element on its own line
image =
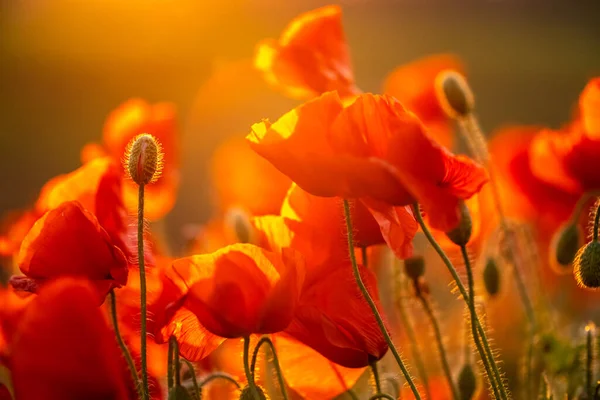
<point x="140" y="238"/>
<point x="249" y="375"/>
<point x="124" y="349"/>
<point x="194" y="380"/>
<point x="266" y="340"/>
<point x="371" y="303"/>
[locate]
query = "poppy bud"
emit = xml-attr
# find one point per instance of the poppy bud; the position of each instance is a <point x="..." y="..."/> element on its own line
<point x="467" y="382"/>
<point x="414" y="267"/>
<point x="454" y="94"/>
<point x="587" y="266"/>
<point x="144" y="159"/>
<point x="238" y="221"/>
<point x="248" y="393"/>
<point x="462" y="233"/>
<point x="566" y="242"/>
<point x="178" y="392"/>
<point x="491" y="277"/>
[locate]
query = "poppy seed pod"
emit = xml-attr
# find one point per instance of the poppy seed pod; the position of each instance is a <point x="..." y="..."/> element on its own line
<point x="587" y="266"/>
<point x="491" y="277"/>
<point x="454" y="94"/>
<point x="462" y="233"/>
<point x="414" y="267"/>
<point x="248" y="394"/>
<point x="566" y="242"/>
<point x="144" y="159"/>
<point x="467" y="382"/>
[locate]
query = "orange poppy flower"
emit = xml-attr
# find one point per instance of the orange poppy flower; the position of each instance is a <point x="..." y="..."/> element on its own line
<point x="243" y="179"/>
<point x="568" y="158"/>
<point x="68" y="360"/>
<point x="413" y="84"/>
<point x="69" y="240"/>
<point x="311" y="57"/>
<point x="130" y="119"/>
<point x="331" y="150"/>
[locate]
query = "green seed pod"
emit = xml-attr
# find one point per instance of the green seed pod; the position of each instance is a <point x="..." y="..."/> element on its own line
<point x="454" y="94"/>
<point x="247" y="393"/>
<point x="491" y="277"/>
<point x="462" y="233"/>
<point x="178" y="392"/>
<point x="414" y="267"/>
<point x="467" y="382"/>
<point x="587" y="266"/>
<point x="566" y="242"/>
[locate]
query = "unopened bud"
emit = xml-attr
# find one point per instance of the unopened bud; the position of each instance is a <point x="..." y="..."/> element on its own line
<point x="248" y="393"/>
<point x="491" y="277"/>
<point x="414" y="267"/>
<point x="178" y="392"/>
<point x="566" y="242"/>
<point x="462" y="233"/>
<point x="587" y="266"/>
<point x="144" y="159"/>
<point x="467" y="382"/>
<point x="238" y="221"/>
<point x="454" y="94"/>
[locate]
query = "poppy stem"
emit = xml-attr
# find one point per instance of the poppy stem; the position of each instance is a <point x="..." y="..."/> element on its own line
<point x="267" y="340"/>
<point x="197" y="390"/>
<point x="367" y="296"/>
<point x="596" y="221"/>
<point x="376" y="377"/>
<point x="176" y="366"/>
<point x="141" y="261"/>
<point x="170" y="365"/>
<point x="589" y="365"/>
<point x="439" y="340"/>
<point x="486" y="353"/>
<point x="473" y="313"/>
<point x="381" y="396"/>
<point x="410" y="333"/>
<point x="249" y="375"/>
<point x="124" y="349"/>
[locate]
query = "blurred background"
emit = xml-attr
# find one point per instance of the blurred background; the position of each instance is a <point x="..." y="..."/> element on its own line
<point x="65" y="64"/>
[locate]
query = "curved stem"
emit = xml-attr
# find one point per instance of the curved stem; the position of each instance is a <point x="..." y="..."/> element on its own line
<point x="194" y="380"/>
<point x="249" y="375"/>
<point x="440" y="343"/>
<point x="376" y="377"/>
<point x="367" y="296"/>
<point x="381" y="396"/>
<point x="141" y="261"/>
<point x="596" y="221"/>
<point x="267" y="340"/>
<point x="410" y="333"/>
<point x="487" y="353"/>
<point x="124" y="349"/>
<point x="219" y="375"/>
<point x="473" y="314"/>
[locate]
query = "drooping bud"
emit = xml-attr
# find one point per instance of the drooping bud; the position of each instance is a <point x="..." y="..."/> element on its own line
<point x="414" y="267"/>
<point x="248" y="394"/>
<point x="565" y="244"/>
<point x="462" y="233"/>
<point x="467" y="382"/>
<point x="178" y="392"/>
<point x="586" y="266"/>
<point x="144" y="159"/>
<point x="238" y="221"/>
<point x="491" y="277"/>
<point x="454" y="94"/>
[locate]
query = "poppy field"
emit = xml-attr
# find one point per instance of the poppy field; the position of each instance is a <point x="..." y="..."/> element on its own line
<point x="361" y="245"/>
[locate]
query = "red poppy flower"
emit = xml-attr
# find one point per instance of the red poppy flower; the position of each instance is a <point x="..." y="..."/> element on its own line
<point x="372" y="149"/>
<point x="64" y="348"/>
<point x="130" y="119"/>
<point x="69" y="240"/>
<point x="568" y="158"/>
<point x="12" y="307"/>
<point x="413" y="84"/>
<point x="311" y="57"/>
